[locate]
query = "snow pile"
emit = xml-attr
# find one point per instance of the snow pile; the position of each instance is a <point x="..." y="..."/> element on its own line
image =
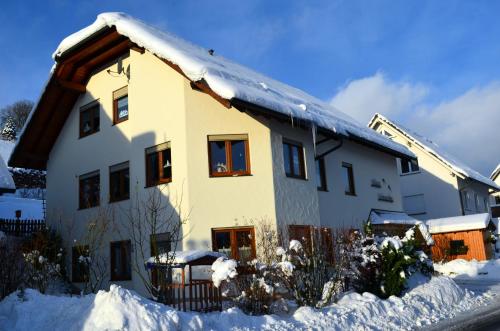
<point x="462" y="269"/>
<point x="389" y="217"/>
<point x="121" y="309"/>
<point x="6" y="181"/>
<point x="458" y="223"/>
<point x="30" y="208"/>
<point x="230" y="80"/>
<point x="223" y="270"/>
<point x="434" y="149"/>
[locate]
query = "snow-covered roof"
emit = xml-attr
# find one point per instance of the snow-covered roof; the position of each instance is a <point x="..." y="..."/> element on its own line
<point x="30" y="208"/>
<point x="182" y="257"/>
<point x="495" y="173"/>
<point x="393" y="217"/>
<point x="438" y="152"/>
<point x="230" y="80"/>
<point x="6" y="148"/>
<point x="458" y="223"/>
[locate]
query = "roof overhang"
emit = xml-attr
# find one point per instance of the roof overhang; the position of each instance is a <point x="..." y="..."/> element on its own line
<point x="68" y="81"/>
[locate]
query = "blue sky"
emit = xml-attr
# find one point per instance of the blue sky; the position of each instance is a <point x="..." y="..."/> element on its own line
<point x="416" y="61"/>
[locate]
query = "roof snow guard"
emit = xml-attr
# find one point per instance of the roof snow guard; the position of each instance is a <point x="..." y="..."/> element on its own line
<point x="224" y="79"/>
<point x="455" y="165"/>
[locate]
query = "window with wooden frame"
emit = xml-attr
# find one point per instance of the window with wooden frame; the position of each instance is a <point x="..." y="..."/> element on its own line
<point x="89" y="118"/>
<point x="121" y="260"/>
<point x="158" y="164"/>
<point x="408" y="166"/>
<point x="119" y="182"/>
<point x="160" y="243"/>
<point x="348" y="178"/>
<point x="237" y="243"/>
<point x="321" y="175"/>
<point x="458" y="247"/>
<point x="293" y="158"/>
<point x="80" y="264"/>
<point x="228" y="155"/>
<point x="90" y="192"/>
<point x="120" y="105"/>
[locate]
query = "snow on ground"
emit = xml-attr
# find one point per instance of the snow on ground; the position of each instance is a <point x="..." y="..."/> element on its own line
<point x="463" y="270"/>
<point x="122" y="309"/>
<point x="31" y="208"/>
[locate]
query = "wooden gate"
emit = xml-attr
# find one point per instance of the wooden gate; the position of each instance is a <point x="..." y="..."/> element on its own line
<point x="199" y="295"/>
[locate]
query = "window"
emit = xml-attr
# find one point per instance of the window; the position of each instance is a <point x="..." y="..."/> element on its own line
<point x="408" y="166"/>
<point x="467" y="200"/>
<point x="79" y="264"/>
<point x="120" y="105"/>
<point x="348" y="179"/>
<point x="236" y="243"/>
<point x="457" y="247"/>
<point x="89" y="119"/>
<point x="497" y="200"/>
<point x="120" y="260"/>
<point x="387" y="134"/>
<point x="228" y="155"/>
<point x="485" y="204"/>
<point x="158" y="164"/>
<point x="89" y="190"/>
<point x="119" y="182"/>
<point x="321" y="175"/>
<point x="414" y="204"/>
<point x="293" y="157"/>
<point x="160" y="243"/>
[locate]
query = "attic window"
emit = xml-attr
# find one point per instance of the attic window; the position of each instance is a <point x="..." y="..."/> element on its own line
<point x="89" y="119"/>
<point x="408" y="166"/>
<point x="120" y="105"/>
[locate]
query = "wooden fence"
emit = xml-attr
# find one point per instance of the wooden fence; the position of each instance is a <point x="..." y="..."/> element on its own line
<point x="15" y="227"/>
<point x="199" y="295"/>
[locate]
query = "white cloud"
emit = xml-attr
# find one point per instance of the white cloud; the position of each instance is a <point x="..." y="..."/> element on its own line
<point x="376" y="94"/>
<point x="467" y="126"/>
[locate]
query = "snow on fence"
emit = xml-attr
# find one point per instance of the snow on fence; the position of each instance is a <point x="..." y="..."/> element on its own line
<point x="16" y="227"/>
<point x="199" y="295"/>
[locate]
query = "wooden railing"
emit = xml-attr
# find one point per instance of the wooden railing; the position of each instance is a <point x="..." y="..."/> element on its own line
<point x="15" y="227"/>
<point x="199" y="295"/>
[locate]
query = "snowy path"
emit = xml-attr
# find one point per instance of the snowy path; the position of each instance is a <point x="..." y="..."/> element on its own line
<point x="485" y="318"/>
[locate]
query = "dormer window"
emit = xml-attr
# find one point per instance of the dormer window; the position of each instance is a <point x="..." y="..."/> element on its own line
<point x="408" y="166"/>
<point x="89" y="119"/>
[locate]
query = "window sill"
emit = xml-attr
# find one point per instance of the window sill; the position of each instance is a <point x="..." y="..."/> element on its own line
<point x="88" y="135"/>
<point x="157" y="184"/>
<point x="118" y="122"/>
<point x="119" y="200"/>
<point x="350" y="194"/>
<point x="85" y="208"/>
<point x="410" y="173"/>
<point x="229" y="175"/>
<point x="296" y="177"/>
<point x="120" y="279"/>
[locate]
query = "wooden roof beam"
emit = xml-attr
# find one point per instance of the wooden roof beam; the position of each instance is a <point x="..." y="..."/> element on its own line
<point x="72" y="86"/>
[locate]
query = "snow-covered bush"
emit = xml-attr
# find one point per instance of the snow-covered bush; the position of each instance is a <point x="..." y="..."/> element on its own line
<point x="44" y="259"/>
<point x="382" y="265"/>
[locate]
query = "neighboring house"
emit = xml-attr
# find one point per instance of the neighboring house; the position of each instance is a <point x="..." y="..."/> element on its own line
<point x="129" y="109"/>
<point x="436" y="184"/>
<point x="462" y="237"/>
<point x="495" y="197"/>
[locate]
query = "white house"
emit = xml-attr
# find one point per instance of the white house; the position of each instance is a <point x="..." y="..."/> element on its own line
<point x="437" y="184"/>
<point x="495" y="197"/>
<point x="129" y="110"/>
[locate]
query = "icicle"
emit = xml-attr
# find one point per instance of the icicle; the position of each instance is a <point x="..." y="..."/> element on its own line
<point x="313" y="128"/>
<point x="291" y="118"/>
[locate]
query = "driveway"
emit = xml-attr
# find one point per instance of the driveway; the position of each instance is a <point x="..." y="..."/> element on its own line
<point x="486" y="318"/>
